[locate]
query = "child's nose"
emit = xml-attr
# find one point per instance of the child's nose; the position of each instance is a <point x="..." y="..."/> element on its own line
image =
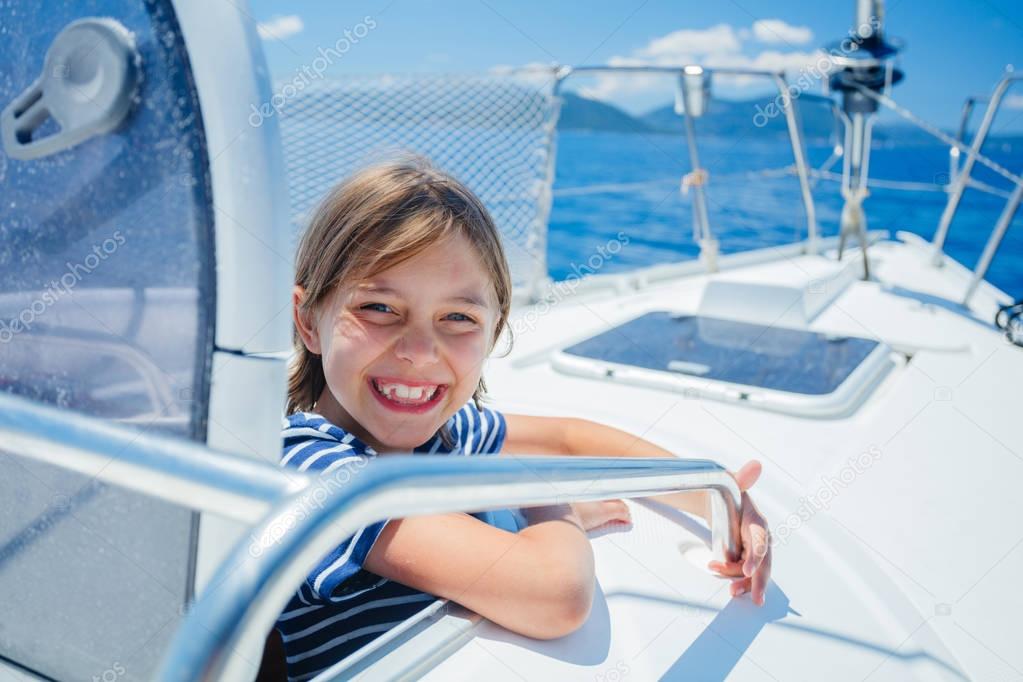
<point x="417" y="346"/>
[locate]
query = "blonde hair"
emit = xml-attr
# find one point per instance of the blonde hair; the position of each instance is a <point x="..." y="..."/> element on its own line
<point x="374" y="220"/>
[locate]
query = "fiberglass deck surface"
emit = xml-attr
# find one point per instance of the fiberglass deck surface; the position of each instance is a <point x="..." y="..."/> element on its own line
<point x="938" y="454"/>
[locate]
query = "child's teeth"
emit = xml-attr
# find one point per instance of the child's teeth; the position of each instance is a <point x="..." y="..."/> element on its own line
<point x="407" y="393"/>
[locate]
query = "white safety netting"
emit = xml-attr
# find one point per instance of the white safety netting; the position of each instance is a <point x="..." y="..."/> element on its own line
<point x="492" y="132"/>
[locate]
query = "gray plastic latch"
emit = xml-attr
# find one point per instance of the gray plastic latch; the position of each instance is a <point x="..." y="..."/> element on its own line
<point x="91" y="73"/>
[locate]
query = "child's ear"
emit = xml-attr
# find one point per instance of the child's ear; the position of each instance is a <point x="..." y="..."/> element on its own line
<point x="305" y="321"/>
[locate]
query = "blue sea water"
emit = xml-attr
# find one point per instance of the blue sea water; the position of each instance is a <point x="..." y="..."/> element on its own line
<point x="608" y="183"/>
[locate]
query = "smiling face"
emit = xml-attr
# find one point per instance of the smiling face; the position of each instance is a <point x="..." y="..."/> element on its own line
<point x="403" y="350"/>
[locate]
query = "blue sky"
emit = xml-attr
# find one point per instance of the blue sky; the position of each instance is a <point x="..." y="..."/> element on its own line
<point x="953" y="49"/>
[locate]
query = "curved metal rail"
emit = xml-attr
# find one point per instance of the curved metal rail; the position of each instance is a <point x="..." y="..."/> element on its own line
<point x="972" y="155"/>
<point x="174" y="470"/>
<point x="251" y="588"/>
<point x="251" y="592"/>
<point x="1013" y="199"/>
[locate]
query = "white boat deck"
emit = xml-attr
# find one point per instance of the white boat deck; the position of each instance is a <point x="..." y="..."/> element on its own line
<point x="871" y="562"/>
<point x="898" y="540"/>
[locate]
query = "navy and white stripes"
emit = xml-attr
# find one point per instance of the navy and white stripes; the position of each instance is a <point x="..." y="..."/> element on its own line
<point x="341" y="607"/>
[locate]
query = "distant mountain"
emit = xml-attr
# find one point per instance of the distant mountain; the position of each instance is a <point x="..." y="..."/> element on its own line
<point x="731" y="117"/>
<point x="760" y="117"/>
<point x="724" y="117"/>
<point x="580" y="113"/>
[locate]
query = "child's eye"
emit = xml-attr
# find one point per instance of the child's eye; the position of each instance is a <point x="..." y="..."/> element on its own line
<point x="460" y="317"/>
<point x="370" y="306"/>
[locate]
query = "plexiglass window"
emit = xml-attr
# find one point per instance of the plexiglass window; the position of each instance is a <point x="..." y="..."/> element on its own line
<point x="106" y="298"/>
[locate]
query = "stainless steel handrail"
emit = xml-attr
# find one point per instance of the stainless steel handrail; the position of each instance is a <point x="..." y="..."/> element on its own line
<point x="993" y="242"/>
<point x="298" y="518"/>
<point x="905" y="113"/>
<point x="788" y="106"/>
<point x="170" y="469"/>
<point x="253" y="587"/>
<point x="959" y="185"/>
<point x="964" y="123"/>
<point x="1013" y="200"/>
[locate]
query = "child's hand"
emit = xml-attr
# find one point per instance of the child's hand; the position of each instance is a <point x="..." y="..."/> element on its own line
<point x="596" y="514"/>
<point x="753" y="570"/>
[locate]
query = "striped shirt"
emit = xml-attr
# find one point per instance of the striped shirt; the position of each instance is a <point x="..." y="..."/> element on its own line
<point x="341" y="606"/>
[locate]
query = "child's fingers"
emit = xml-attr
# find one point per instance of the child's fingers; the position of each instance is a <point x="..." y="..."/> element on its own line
<point x="747" y="475"/>
<point x="614" y="511"/>
<point x="740" y="587"/>
<point x="729" y="568"/>
<point x="758" y="549"/>
<point x="618" y="511"/>
<point x="759" y="581"/>
<point x="596" y="514"/>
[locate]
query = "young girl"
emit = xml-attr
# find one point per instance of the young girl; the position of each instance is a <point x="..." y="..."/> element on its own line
<point x="402" y="290"/>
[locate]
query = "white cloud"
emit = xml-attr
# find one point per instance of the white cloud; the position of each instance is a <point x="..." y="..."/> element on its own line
<point x="713" y="40"/>
<point x="792" y="63"/>
<point x="608" y="86"/>
<point x="1014" y="101"/>
<point x="279" y="28"/>
<point x="778" y="31"/>
<point x="685" y="46"/>
<point x="720" y="46"/>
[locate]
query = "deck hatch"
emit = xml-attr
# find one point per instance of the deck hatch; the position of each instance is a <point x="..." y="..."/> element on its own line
<point x="773" y="367"/>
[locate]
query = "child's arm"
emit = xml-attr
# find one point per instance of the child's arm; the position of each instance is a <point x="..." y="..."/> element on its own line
<point x="572" y="436"/>
<point x="538" y="582"/>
